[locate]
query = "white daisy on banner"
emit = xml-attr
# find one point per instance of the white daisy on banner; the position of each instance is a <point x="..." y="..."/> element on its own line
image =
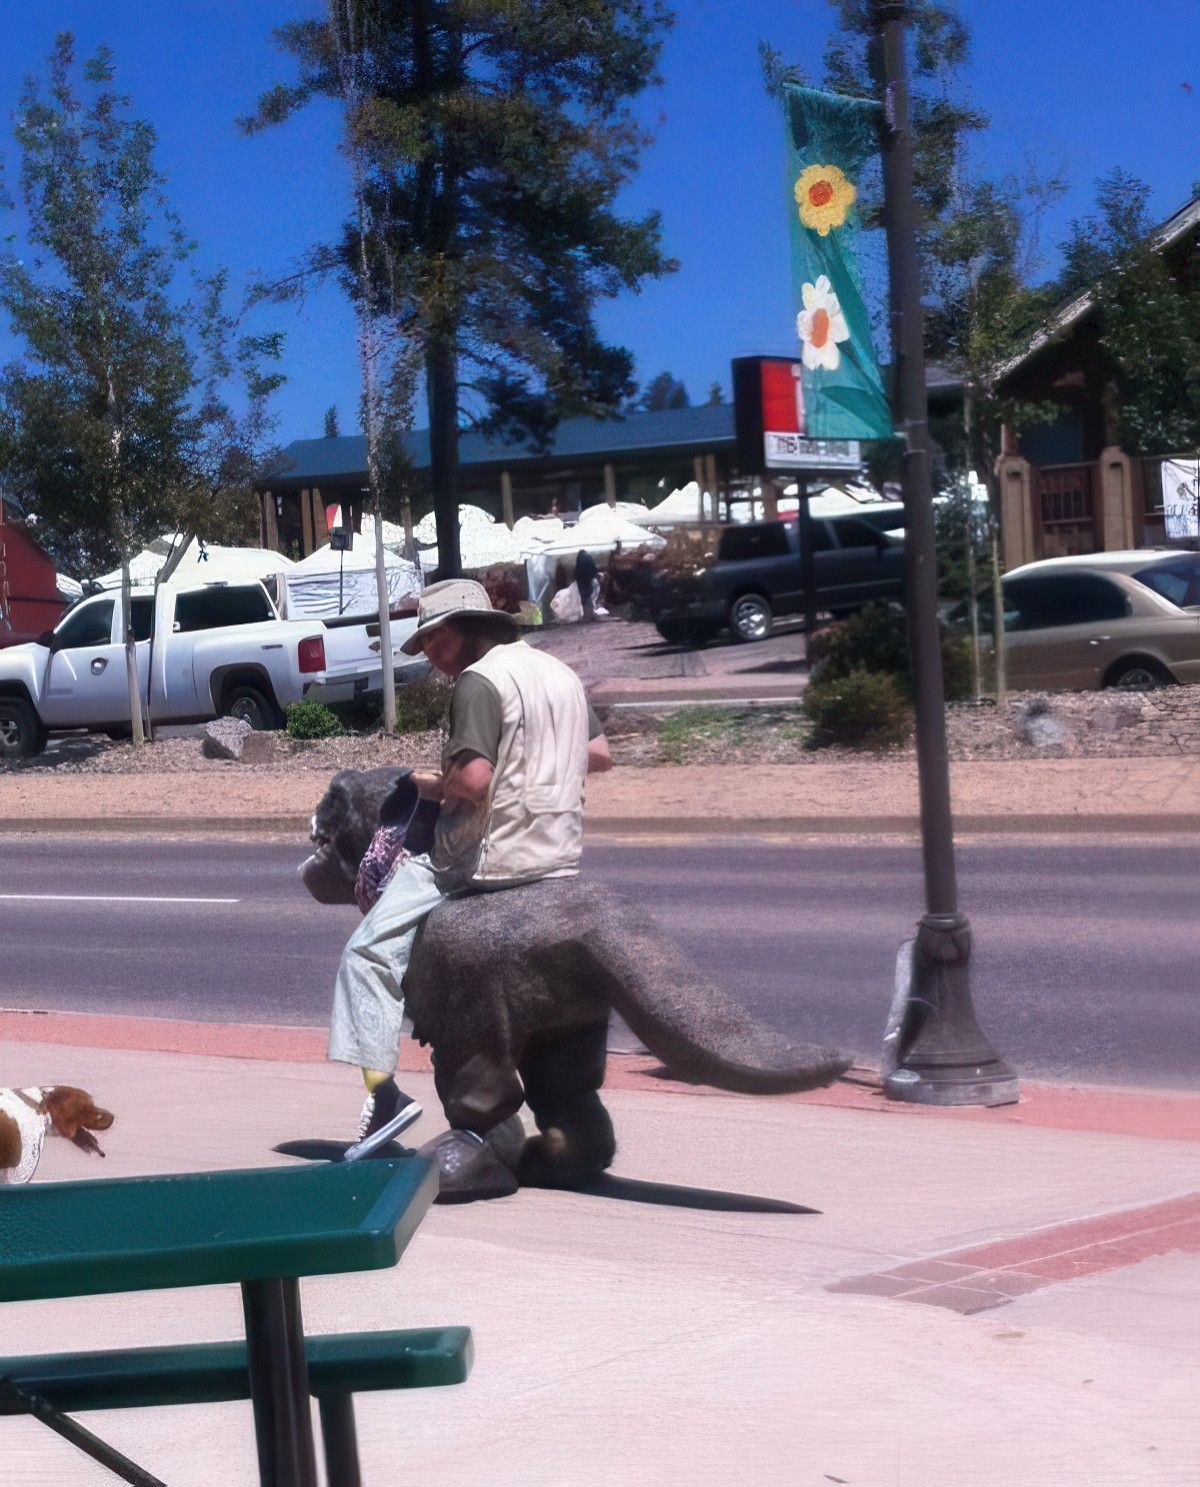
<point x="821" y="325"/>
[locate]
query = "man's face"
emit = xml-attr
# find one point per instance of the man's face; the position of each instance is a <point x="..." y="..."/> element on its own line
<point x="446" y="648"/>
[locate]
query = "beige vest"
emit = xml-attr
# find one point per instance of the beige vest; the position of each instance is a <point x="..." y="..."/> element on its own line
<point x="531" y="824"/>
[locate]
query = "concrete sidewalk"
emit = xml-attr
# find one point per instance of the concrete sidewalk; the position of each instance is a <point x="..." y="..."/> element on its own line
<point x="974" y="1302"/>
<point x="874" y="795"/>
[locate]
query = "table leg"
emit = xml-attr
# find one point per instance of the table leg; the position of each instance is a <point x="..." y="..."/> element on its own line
<point x="279" y="1383"/>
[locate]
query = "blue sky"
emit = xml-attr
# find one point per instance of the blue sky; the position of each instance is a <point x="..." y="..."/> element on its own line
<point x="1081" y="86"/>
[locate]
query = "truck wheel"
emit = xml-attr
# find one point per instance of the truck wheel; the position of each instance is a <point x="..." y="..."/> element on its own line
<point x="21" y="730"/>
<point x="750" y="618"/>
<point x="251" y="704"/>
<point x="686" y="632"/>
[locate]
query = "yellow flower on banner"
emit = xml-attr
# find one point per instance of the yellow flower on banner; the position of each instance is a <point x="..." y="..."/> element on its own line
<point x="824" y="196"/>
<point x="821" y="325"/>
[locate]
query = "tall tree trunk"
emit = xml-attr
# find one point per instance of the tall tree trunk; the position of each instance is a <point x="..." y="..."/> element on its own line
<point x="131" y="671"/>
<point x="998" y="658"/>
<point x="973" y="596"/>
<point x="983" y="460"/>
<point x="441" y="381"/>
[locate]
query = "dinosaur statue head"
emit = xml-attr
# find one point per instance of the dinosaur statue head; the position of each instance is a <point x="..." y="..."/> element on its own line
<point x="348" y="815"/>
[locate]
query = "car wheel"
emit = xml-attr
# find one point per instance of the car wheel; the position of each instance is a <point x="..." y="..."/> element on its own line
<point x="251" y="704"/>
<point x="21" y="730"/>
<point x="750" y="618"/>
<point x="1139" y="676"/>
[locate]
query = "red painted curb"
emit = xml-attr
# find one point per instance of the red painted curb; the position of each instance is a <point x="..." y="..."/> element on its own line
<point x="989" y="1275"/>
<point x="1122" y="1112"/>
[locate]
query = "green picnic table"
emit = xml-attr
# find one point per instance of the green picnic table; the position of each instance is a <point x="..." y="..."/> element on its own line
<point x="262" y="1229"/>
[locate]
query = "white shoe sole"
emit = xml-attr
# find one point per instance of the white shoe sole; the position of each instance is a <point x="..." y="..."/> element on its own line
<point x="401" y="1121"/>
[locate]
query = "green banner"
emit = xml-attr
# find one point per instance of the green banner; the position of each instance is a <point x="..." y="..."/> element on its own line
<point x="830" y="140"/>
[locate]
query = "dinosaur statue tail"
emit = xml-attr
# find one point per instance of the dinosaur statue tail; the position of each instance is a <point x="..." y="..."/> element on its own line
<point x="689" y="1022"/>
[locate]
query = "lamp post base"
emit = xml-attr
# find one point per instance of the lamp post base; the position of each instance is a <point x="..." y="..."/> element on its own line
<point x="935" y="1052"/>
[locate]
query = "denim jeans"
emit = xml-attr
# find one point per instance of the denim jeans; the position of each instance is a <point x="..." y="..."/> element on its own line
<point x="368" y="1005"/>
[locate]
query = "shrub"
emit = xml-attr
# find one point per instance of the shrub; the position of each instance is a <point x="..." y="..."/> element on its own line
<point x="876" y="639"/>
<point x="422" y="706"/>
<point x="361" y="714"/>
<point x="866" y="709"/>
<point x="956" y="668"/>
<point x="311" y="720"/>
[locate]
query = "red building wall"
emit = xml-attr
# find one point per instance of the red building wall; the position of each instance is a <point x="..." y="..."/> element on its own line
<point x="29" y="601"/>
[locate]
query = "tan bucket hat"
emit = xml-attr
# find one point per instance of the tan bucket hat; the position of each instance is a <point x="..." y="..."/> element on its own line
<point x="449" y="600"/>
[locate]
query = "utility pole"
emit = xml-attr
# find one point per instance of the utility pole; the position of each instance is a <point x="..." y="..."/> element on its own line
<point x="934" y="1052"/>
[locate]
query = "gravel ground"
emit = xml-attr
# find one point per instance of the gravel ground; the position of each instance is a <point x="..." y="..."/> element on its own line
<point x="1031" y="726"/>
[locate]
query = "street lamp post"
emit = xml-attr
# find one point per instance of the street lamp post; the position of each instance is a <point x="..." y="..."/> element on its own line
<point x="935" y="1051"/>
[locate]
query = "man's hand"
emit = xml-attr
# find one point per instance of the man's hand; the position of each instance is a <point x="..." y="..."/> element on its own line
<point x="599" y="759"/>
<point x="430" y="783"/>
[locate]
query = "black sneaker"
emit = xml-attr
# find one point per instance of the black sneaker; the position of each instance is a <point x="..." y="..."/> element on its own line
<point x="386" y="1112"/>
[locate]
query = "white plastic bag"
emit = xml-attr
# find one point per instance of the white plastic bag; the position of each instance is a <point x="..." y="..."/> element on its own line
<point x="567" y="606"/>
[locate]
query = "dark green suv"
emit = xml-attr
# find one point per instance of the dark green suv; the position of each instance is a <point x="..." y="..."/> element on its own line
<point x="746" y="577"/>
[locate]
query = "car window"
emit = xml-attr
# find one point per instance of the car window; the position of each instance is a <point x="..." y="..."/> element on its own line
<point x="209" y="609"/>
<point x="881" y="519"/>
<point x="141" y="614"/>
<point x="89" y="625"/>
<point x="822" y="537"/>
<point x="762" y="540"/>
<point x="852" y="531"/>
<point x="1050" y="600"/>
<point x="1177" y="580"/>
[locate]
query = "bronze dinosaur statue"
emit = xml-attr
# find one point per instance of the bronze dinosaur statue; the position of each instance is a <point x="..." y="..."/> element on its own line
<point x="513" y="990"/>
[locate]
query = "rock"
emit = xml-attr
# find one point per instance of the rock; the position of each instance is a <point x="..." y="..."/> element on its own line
<point x="225" y="738"/>
<point x="260" y="748"/>
<point x="1036" y="724"/>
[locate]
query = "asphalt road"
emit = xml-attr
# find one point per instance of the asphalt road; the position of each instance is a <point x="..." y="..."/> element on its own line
<point x="1087" y="960"/>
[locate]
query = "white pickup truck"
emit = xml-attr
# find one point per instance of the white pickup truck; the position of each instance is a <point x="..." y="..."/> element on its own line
<point x="202" y="650"/>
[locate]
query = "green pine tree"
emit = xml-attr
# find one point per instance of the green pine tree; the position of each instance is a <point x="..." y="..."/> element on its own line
<point x="663" y="392"/>
<point x="494" y="138"/>
<point x="1148" y="304"/>
<point x="117" y="415"/>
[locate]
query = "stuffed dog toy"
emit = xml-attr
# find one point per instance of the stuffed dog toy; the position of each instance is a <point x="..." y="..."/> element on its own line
<point x="27" y="1114"/>
<point x="513" y="990"/>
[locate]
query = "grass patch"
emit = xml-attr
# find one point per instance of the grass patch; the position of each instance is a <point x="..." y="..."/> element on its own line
<point x="697" y="733"/>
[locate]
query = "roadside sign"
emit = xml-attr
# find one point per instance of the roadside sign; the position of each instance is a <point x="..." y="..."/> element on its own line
<point x="771" y="424"/>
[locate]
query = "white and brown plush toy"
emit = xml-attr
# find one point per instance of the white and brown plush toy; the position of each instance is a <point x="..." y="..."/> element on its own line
<point x="27" y="1114"/>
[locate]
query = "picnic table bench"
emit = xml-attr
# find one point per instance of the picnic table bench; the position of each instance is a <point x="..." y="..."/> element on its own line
<point x="262" y="1229"/>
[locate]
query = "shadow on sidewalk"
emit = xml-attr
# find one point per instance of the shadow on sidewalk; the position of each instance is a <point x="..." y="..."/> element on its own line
<point x="627" y="1189"/>
<point x="669" y="1195"/>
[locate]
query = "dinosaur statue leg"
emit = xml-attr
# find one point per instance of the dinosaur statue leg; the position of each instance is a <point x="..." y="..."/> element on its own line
<point x="563" y="1071"/>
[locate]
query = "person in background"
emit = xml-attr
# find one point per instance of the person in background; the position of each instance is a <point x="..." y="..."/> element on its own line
<point x="586" y="576"/>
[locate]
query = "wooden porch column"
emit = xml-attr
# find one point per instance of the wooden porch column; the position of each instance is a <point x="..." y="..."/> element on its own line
<point x="1115" y="499"/>
<point x="320" y="525"/>
<point x="770" y="501"/>
<point x="610" y="484"/>
<point x="506" y="505"/>
<point x="1018" y="520"/>
<point x="710" y="484"/>
<point x="270" y="522"/>
<point x="306" y="522"/>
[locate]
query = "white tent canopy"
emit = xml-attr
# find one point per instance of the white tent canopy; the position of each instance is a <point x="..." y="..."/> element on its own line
<point x="598" y="531"/>
<point x="201" y="561"/>
<point x="683" y="505"/>
<point x="313" y="585"/>
<point x="425" y="530"/>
